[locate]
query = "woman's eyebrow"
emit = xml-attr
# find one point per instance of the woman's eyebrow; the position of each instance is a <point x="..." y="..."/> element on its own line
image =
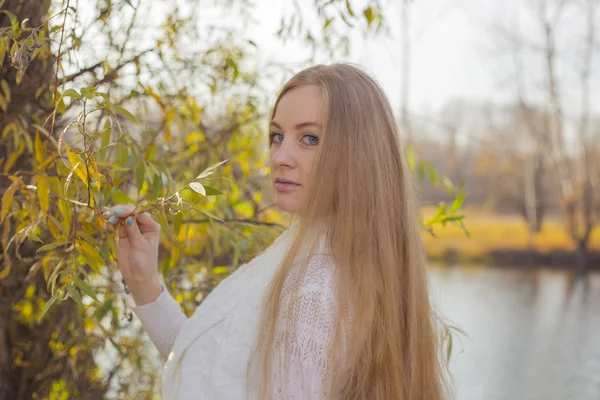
<point x="300" y="125"/>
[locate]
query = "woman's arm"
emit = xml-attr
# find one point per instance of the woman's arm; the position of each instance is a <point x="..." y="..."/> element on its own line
<point x="162" y="319"/>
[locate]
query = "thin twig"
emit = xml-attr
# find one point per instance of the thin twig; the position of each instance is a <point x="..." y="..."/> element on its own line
<point x="78" y="203"/>
<point x="236" y="220"/>
<point x="62" y="34"/>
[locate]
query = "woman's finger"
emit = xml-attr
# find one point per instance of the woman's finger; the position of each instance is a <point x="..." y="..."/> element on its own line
<point x="133" y="233"/>
<point x="119" y="211"/>
<point x="146" y="223"/>
<point x="123" y="234"/>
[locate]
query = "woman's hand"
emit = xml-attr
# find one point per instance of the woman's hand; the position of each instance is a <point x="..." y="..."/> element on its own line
<point x="137" y="252"/>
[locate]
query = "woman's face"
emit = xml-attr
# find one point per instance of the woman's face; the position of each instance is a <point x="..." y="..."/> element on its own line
<point x="295" y="134"/>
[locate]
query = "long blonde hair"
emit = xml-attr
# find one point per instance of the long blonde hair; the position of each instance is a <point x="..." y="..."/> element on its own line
<point x="362" y="191"/>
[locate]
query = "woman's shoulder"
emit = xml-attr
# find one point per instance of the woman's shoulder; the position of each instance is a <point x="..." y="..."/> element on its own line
<point x="320" y="268"/>
<point x="318" y="276"/>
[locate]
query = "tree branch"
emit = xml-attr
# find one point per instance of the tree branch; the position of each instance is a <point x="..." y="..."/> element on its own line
<point x="237" y="220"/>
<point x="77" y="74"/>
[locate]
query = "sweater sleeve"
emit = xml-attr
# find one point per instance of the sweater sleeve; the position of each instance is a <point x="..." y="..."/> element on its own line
<point x="304" y="348"/>
<point x="162" y="320"/>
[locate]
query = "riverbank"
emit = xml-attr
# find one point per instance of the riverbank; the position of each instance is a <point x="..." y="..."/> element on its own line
<point x="501" y="240"/>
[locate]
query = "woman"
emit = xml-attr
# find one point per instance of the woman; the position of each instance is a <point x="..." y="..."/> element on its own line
<point x="337" y="307"/>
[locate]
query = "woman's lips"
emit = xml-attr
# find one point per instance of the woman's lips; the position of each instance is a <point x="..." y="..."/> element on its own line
<point x="286" y="187"/>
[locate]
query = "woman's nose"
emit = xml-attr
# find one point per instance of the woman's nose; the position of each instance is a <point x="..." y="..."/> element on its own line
<point x="284" y="156"/>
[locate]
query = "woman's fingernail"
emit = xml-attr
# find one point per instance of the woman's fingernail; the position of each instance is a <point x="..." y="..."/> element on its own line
<point x="112" y="219"/>
<point x="107" y="212"/>
<point x="118" y="211"/>
<point x="130" y="222"/>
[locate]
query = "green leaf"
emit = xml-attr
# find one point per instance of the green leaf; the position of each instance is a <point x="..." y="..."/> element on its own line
<point x="156" y="185"/>
<point x="89" y="92"/>
<point x="433" y="176"/>
<point x="349" y="8"/>
<point x="410" y="157"/>
<point x="14" y="21"/>
<point x="110" y="339"/>
<point x="48" y="305"/>
<point x="178" y="222"/>
<point x="211" y="191"/>
<point x="85" y="288"/>
<point x="438" y="217"/>
<point x="74" y="294"/>
<point x="464" y="228"/>
<point x="198" y="188"/>
<point x="121" y="198"/>
<point x="72" y="93"/>
<point x="103" y="310"/>
<point x="206" y="173"/>
<point x="140" y="175"/>
<point x="208" y="214"/>
<point x="457" y="203"/>
<point x="448" y="185"/>
<point x="51" y="246"/>
<point x="126" y="114"/>
<point x="106" y="132"/>
<point x="369" y="16"/>
<point x="449" y="346"/>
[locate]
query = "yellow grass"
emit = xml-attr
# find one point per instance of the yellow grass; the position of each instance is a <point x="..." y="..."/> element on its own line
<point x="492" y="232"/>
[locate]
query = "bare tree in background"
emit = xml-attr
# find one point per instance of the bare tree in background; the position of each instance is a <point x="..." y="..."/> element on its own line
<point x="573" y="172"/>
<point x="557" y="141"/>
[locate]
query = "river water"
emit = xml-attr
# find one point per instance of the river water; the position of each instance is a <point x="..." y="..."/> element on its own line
<point x="531" y="335"/>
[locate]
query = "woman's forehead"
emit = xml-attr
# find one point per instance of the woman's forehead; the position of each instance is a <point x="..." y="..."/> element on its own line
<point x="300" y="105"/>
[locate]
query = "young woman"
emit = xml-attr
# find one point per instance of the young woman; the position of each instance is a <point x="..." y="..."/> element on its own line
<point x="337" y="307"/>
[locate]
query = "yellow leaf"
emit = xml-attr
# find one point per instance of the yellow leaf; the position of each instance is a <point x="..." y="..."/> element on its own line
<point x="168" y="119"/>
<point x="7" y="199"/>
<point x="77" y="164"/>
<point x="220" y="270"/>
<point x="6" y="270"/>
<point x="244" y="209"/>
<point x="3" y="103"/>
<point x="92" y="256"/>
<point x="5" y="89"/>
<point x="39" y="149"/>
<point x="54" y="227"/>
<point x="43" y="191"/>
<point x="93" y="167"/>
<point x="12" y="159"/>
<point x="6" y="233"/>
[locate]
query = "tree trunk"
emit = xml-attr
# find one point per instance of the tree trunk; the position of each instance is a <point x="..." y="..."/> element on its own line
<point x="31" y="360"/>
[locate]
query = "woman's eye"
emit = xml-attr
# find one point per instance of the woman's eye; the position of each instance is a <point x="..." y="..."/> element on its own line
<point x="276" y="137"/>
<point x="310" y="139"/>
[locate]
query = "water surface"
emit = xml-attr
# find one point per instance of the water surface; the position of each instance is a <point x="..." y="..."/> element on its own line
<point x="532" y="335"/>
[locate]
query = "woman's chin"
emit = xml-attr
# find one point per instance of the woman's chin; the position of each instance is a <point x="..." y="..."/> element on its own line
<point x="287" y="205"/>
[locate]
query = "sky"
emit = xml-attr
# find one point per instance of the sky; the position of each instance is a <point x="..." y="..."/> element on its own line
<point x="457" y="50"/>
<point x="456" y="53"/>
